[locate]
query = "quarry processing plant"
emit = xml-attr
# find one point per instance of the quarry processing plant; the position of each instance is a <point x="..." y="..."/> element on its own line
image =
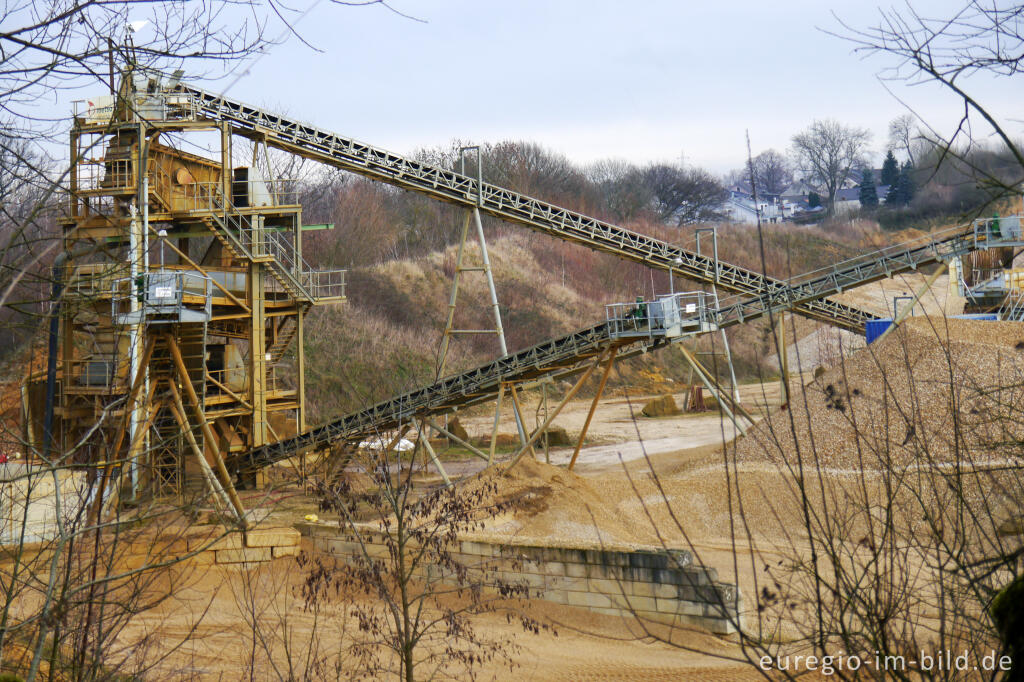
<point x="175" y="355"/>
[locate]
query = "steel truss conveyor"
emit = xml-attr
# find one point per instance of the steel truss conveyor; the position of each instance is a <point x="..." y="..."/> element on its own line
<point x="568" y="354"/>
<point x="378" y="164"/>
<point x="559" y="357"/>
<point x="937" y="247"/>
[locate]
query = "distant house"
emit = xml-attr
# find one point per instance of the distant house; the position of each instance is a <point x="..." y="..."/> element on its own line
<point x="856" y="176"/>
<point x="797" y="192"/>
<point x="848" y="199"/>
<point x="741" y="208"/>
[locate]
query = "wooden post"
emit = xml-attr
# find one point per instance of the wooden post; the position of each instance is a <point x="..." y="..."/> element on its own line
<point x="190" y="391"/>
<point x="179" y="414"/>
<point x="551" y="417"/>
<point x="593" y="407"/>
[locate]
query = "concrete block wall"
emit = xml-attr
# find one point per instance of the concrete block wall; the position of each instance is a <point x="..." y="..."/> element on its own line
<point x="28" y="502"/>
<point x="658" y="586"/>
<point x="210" y="546"/>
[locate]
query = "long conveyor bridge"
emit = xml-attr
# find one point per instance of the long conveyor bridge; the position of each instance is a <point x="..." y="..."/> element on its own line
<point x="445" y="185"/>
<point x="569" y="354"/>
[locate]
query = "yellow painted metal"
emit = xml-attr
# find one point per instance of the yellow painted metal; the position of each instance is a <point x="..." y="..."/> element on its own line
<point x="129" y="191"/>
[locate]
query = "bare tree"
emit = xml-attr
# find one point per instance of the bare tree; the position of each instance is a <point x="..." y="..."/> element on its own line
<point x="621" y="185"/>
<point x="412" y="592"/>
<point x="684" y="195"/>
<point x="976" y="39"/>
<point x="772" y="172"/>
<point x="903" y="135"/>
<point x="69" y="596"/>
<point x="829" y="149"/>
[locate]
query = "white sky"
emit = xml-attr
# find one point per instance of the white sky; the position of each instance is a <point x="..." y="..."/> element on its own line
<point x="641" y="80"/>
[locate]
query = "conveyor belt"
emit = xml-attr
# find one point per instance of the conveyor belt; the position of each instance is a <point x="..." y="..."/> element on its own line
<point x="938" y="247"/>
<point x="558" y="357"/>
<point x="378" y="164"/>
<point x="758" y="295"/>
<point x="566" y="355"/>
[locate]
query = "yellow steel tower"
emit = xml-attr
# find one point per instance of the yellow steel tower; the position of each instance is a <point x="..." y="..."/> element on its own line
<point x="182" y="297"/>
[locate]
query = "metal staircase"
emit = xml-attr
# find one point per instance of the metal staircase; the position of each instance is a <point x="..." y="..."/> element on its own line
<point x="282" y="341"/>
<point x="378" y="164"/>
<point x="236" y="233"/>
<point x="167" y="470"/>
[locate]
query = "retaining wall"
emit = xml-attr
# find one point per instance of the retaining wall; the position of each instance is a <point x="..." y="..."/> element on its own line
<point x="659" y="586"/>
<point x="28" y="502"/>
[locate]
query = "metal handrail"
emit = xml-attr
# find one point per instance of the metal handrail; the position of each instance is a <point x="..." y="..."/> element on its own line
<point x="664" y="316"/>
<point x="159" y="293"/>
<point x="936" y="247"/>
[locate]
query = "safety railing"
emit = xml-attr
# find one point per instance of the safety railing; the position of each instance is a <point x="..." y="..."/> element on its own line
<point x="322" y="284"/>
<point x="665" y="316"/>
<point x="92" y="280"/>
<point x="318" y="284"/>
<point x="112" y="176"/>
<point x="998" y="231"/>
<point x="98" y="370"/>
<point x="201" y="197"/>
<point x="156" y="106"/>
<point x="159" y="297"/>
<point x="260" y="192"/>
<point x="209" y="196"/>
<point x="1012" y="308"/>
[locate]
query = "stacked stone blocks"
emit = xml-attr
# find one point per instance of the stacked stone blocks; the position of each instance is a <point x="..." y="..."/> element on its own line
<point x="664" y="587"/>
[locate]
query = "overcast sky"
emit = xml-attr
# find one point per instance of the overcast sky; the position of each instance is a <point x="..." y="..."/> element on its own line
<point x="640" y="80"/>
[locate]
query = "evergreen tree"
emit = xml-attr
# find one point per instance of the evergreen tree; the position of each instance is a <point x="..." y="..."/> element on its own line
<point x="813" y="200"/>
<point x="890" y="170"/>
<point x="902" y="190"/>
<point x="868" y="191"/>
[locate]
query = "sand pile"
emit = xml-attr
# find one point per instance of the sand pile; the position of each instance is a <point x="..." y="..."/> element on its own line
<point x="934" y="391"/>
<point x="551" y="504"/>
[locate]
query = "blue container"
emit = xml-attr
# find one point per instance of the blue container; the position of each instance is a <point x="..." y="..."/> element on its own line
<point x="875" y="328"/>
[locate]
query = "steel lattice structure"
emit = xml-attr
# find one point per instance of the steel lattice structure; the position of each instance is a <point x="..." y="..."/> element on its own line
<point x="378" y="164"/>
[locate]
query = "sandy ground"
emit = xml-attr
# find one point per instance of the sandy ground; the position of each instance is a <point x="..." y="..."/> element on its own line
<point x="585" y="646"/>
<point x="598" y="506"/>
<point x="619" y="433"/>
<point x="638" y="482"/>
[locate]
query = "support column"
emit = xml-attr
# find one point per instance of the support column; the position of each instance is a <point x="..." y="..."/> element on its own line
<point x="499" y="330"/>
<point x="423" y="437"/>
<point x="593" y="408"/>
<point x="300" y="360"/>
<point x="780" y="329"/>
<point x="258" y="356"/>
<point x="551" y="417"/>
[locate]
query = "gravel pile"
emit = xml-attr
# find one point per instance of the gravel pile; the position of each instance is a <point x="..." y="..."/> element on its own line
<point x="933" y="392"/>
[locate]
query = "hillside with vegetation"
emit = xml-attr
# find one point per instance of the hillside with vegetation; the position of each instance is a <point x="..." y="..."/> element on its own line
<point x="401" y="252"/>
